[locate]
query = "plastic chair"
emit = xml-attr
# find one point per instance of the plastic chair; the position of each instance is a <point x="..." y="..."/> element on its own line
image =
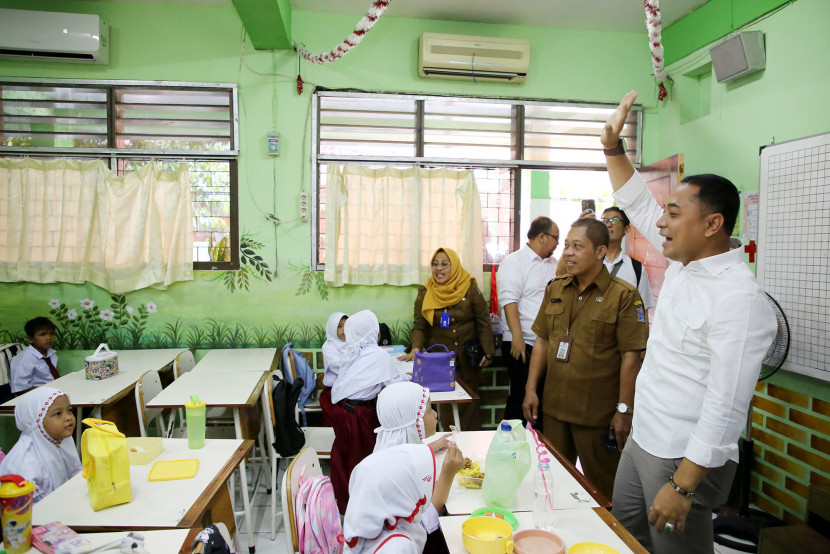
<point x="7" y="352"/>
<point x="147" y="387"/>
<point x="318" y="439"/>
<point x="307" y="458"/>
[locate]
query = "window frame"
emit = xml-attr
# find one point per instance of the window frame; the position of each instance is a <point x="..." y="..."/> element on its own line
<point x="112" y="154"/>
<point x="516" y="164"/>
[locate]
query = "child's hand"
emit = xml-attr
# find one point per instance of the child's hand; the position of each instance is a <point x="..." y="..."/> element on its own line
<point x="453" y="461"/>
<point x="441" y="444"/>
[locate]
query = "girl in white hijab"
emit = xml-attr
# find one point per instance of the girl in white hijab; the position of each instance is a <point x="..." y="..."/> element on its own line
<point x="365" y="370"/>
<point x="335" y="347"/>
<point x="366" y="367"/>
<point x="390" y="491"/>
<point x="45" y="453"/>
<point x="333" y="351"/>
<point x="406" y="417"/>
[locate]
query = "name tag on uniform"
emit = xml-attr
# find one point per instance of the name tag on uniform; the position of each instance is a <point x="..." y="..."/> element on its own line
<point x="563" y="351"/>
<point x="445" y="320"/>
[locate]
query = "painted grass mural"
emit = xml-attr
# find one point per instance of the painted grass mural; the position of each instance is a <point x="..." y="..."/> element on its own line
<point x="83" y="325"/>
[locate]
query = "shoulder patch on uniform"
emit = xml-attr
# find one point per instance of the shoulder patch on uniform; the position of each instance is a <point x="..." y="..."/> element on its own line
<point x="637" y="302"/>
<point x="641" y="316"/>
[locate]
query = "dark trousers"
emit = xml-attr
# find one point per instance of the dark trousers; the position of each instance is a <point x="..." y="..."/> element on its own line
<point x="518" y="371"/>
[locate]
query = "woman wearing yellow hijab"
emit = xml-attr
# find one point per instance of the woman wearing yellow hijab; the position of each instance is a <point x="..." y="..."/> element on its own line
<point x="451" y="310"/>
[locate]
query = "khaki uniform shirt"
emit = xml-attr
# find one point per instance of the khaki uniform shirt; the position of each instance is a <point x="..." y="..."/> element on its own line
<point x="585" y="390"/>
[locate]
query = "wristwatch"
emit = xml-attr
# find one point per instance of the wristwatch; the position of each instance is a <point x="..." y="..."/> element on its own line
<point x="624" y="408"/>
<point x="618" y="150"/>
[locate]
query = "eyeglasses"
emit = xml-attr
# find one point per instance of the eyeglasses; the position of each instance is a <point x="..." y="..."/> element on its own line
<point x="442" y="265"/>
<point x="612" y="220"/>
<point x="554" y="237"/>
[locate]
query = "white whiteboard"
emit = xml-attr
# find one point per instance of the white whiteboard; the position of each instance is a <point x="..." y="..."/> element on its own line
<point x="794" y="246"/>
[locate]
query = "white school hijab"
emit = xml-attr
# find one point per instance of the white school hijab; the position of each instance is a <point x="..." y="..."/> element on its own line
<point x="38" y="457"/>
<point x="365" y="364"/>
<point x="333" y="349"/>
<point x="401" y="408"/>
<point x="388" y="492"/>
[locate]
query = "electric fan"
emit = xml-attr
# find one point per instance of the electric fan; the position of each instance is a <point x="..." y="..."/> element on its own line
<point x="745" y="523"/>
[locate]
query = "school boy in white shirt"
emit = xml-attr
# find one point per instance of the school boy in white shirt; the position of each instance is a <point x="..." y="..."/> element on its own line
<point x="711" y="329"/>
<point x="37" y="364"/>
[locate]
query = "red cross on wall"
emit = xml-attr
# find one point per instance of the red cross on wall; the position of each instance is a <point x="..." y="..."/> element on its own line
<point x="751" y="249"/>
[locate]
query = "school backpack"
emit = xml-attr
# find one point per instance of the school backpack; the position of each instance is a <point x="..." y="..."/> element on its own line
<point x="304" y="372"/>
<point x="638" y="270"/>
<point x="288" y="435"/>
<point x="317" y="517"/>
<point x="385" y="335"/>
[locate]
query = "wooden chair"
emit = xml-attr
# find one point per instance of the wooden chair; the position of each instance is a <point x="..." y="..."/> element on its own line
<point x="308" y="459"/>
<point x="215" y="416"/>
<point x="7" y="352"/>
<point x="318" y="439"/>
<point x="314" y="405"/>
<point x="147" y="387"/>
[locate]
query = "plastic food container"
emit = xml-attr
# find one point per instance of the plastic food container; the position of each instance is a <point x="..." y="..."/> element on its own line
<point x="500" y="513"/>
<point x="537" y="541"/>
<point x="143" y="450"/>
<point x="469" y="482"/>
<point x="487" y="535"/>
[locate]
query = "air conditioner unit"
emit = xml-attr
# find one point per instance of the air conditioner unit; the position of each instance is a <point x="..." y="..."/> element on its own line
<point x="474" y="58"/>
<point x="54" y="36"/>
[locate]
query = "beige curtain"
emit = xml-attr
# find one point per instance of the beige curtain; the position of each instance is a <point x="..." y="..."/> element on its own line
<point x="74" y="221"/>
<point x="382" y="225"/>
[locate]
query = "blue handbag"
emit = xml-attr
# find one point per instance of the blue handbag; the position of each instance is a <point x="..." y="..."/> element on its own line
<point x="435" y="370"/>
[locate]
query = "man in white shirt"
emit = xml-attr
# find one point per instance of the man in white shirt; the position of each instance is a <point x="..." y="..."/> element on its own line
<point x="711" y="329"/>
<point x="522" y="278"/>
<point x="618" y="263"/>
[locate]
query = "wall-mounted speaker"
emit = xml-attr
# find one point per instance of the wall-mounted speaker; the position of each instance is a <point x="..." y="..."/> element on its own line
<point x="738" y="56"/>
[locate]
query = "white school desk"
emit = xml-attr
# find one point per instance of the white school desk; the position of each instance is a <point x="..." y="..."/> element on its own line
<point x="238" y="359"/>
<point x="154" y="541"/>
<point x="572" y="526"/>
<point x="460" y="395"/>
<point x="179" y="504"/>
<point x="227" y="390"/>
<point x="86" y="394"/>
<point x="569" y="492"/>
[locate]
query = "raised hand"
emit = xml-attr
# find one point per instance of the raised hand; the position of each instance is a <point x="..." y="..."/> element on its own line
<point x="613" y="127"/>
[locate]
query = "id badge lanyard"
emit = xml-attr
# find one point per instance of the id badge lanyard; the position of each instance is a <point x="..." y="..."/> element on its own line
<point x="563" y="350"/>
<point x="445" y="319"/>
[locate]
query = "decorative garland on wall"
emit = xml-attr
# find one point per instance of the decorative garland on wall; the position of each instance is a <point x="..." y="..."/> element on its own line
<point x="655" y="40"/>
<point x="363" y="26"/>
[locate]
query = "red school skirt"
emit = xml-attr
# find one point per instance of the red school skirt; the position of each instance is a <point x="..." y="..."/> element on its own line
<point x="354" y="426"/>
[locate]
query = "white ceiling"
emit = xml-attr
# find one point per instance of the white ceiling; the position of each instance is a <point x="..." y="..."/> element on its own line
<point x="605" y="15"/>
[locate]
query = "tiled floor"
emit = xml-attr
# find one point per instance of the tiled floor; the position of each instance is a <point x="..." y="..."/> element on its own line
<point x="261" y="512"/>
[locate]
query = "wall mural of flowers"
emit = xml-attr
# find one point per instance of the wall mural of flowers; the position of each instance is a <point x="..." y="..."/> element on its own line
<point x="83" y="325"/>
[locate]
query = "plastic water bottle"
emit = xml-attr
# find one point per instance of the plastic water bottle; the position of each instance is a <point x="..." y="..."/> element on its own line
<point x="543" y="497"/>
<point x="507" y="463"/>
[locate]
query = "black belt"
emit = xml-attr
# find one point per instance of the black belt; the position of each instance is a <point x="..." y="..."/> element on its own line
<point x="349" y="405"/>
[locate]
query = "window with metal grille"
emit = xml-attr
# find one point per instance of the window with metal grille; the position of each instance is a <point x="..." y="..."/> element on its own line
<point x="128" y="123"/>
<point x="495" y="137"/>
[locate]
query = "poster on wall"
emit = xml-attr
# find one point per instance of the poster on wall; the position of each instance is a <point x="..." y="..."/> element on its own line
<point x="750" y="219"/>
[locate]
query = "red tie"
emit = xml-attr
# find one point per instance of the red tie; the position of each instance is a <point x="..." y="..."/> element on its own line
<point x="52" y="368"/>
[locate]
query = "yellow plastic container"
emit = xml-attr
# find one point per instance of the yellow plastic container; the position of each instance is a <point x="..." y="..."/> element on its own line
<point x="16" y="495"/>
<point x="487" y="535"/>
<point x="143" y="450"/>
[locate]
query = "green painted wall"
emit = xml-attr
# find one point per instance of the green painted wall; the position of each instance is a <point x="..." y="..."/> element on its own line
<point x="710" y="22"/>
<point x="197" y="43"/>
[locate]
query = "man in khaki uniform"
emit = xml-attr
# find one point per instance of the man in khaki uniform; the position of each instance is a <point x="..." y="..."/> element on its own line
<point x="591" y="328"/>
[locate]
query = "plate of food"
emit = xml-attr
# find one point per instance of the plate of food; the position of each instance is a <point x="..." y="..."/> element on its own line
<point x="471" y="476"/>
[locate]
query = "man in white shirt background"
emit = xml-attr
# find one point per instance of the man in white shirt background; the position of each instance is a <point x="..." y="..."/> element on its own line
<point x="521" y="281"/>
<point x="620" y="264"/>
<point x="712" y="327"/>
